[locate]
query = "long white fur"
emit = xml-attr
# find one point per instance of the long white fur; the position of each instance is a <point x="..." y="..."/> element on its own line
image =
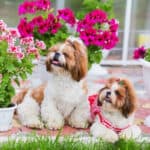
<point x="64" y="100"/>
<point x="117" y="119"/>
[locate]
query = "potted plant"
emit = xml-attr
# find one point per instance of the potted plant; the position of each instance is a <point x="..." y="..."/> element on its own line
<point x="143" y="54"/>
<point x="16" y="55"/>
<point x="97" y="31"/>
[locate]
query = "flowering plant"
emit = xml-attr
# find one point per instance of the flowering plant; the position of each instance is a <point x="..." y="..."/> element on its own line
<point x="95" y="29"/>
<point x="142" y="52"/>
<point x="98" y="32"/>
<point x="16" y="56"/>
<point x="40" y="22"/>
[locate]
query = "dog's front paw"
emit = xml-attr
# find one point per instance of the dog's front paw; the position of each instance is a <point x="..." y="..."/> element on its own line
<point x="78" y="122"/>
<point x="131" y="132"/>
<point x="35" y="124"/>
<point x="111" y="136"/>
<point x="55" y="123"/>
<point x="100" y="131"/>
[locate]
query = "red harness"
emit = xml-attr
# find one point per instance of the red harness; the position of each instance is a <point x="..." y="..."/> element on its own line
<point x="95" y="110"/>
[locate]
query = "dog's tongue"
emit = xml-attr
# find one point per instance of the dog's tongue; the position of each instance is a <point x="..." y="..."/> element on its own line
<point x="55" y="62"/>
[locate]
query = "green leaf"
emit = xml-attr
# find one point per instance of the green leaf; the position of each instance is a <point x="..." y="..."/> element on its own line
<point x="23" y="76"/>
<point x="11" y="67"/>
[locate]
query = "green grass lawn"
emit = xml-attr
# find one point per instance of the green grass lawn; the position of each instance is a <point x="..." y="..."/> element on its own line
<point x="45" y="143"/>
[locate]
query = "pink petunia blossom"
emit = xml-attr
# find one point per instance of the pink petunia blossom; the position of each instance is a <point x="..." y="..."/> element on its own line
<point x="95" y="29"/>
<point x="42" y="4"/>
<point x="14" y="33"/>
<point x="3" y="26"/>
<point x="43" y="27"/>
<point x="83" y="24"/>
<point x="14" y="49"/>
<point x="109" y="40"/>
<point x="40" y="44"/>
<point x="27" y="41"/>
<point x="34" y="51"/>
<point x="139" y="52"/>
<point x="114" y="25"/>
<point x="67" y="15"/>
<point x="19" y="55"/>
<point x="27" y="7"/>
<point x="36" y="21"/>
<point x="8" y="38"/>
<point x="56" y="26"/>
<point x="31" y="50"/>
<point x="25" y="28"/>
<point x="88" y="36"/>
<point x="96" y="16"/>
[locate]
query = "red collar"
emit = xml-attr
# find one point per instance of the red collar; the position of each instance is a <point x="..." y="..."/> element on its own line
<point x="95" y="110"/>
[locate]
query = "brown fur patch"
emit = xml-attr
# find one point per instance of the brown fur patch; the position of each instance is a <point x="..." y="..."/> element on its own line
<point x="126" y="96"/>
<point x="131" y="99"/>
<point x="38" y="93"/>
<point x="84" y="87"/>
<point x="80" y="69"/>
<point x="18" y="98"/>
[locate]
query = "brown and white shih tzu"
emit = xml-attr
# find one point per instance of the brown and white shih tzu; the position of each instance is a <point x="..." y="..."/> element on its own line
<point x="63" y="98"/>
<point x="113" y="110"/>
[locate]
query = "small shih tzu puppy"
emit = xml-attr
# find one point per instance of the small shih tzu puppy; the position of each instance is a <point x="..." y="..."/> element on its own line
<point x="113" y="110"/>
<point x="63" y="98"/>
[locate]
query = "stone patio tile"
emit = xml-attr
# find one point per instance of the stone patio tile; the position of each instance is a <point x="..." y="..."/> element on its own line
<point x="67" y="130"/>
<point x="145" y="130"/>
<point x="14" y="130"/>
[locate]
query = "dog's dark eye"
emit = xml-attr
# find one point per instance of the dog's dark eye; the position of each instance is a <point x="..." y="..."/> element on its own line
<point x="66" y="55"/>
<point x="117" y="93"/>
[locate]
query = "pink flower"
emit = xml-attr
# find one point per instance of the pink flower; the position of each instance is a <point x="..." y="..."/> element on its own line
<point x="34" y="51"/>
<point x="36" y="21"/>
<point x="109" y="40"/>
<point x="33" y="6"/>
<point x="114" y="25"/>
<point x="10" y="40"/>
<point x="19" y="55"/>
<point x="96" y="16"/>
<point x="43" y="27"/>
<point x="25" y="28"/>
<point x="67" y="15"/>
<point x="51" y="19"/>
<point x="3" y="26"/>
<point x="96" y="30"/>
<point x="55" y="27"/>
<point x="14" y="33"/>
<point x="84" y="24"/>
<point x="31" y="50"/>
<point x="26" y="7"/>
<point x="40" y="44"/>
<point x="14" y="49"/>
<point x="27" y="41"/>
<point x="139" y="52"/>
<point x="88" y="36"/>
<point x="42" y="4"/>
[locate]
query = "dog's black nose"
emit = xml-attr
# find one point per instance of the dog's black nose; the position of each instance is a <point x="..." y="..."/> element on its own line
<point x="56" y="56"/>
<point x="108" y="93"/>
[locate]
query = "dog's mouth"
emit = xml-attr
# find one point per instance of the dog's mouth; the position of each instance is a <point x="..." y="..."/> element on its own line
<point x="108" y="100"/>
<point x="56" y="63"/>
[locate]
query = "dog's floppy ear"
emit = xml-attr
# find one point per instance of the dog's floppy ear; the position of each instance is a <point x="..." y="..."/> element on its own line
<point x="48" y="65"/>
<point x="131" y="99"/>
<point x="80" y="69"/>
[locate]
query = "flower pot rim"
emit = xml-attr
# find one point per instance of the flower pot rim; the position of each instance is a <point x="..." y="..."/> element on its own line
<point x="8" y="108"/>
<point x="144" y="63"/>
